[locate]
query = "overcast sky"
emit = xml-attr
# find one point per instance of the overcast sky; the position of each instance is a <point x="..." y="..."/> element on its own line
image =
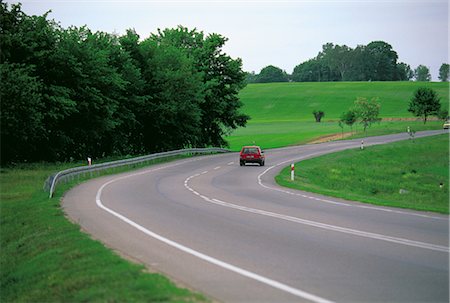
<point x="280" y="33"/>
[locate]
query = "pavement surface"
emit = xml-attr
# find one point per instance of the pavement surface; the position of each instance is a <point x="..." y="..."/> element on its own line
<point x="231" y="233"/>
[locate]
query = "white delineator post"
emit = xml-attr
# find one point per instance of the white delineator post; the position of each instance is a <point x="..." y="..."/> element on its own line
<point x="292" y="172"/>
<point x="362" y="144"/>
<point x="89" y="161"/>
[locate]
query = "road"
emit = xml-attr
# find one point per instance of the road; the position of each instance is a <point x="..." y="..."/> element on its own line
<point x="233" y="234"/>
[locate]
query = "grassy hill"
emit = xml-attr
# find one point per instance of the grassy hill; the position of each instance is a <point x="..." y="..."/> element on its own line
<point x="377" y="174"/>
<point x="281" y="113"/>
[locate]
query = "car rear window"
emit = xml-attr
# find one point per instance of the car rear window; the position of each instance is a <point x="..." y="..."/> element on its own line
<point x="250" y="151"/>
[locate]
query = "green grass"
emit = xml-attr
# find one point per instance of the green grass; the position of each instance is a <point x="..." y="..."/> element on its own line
<point x="280" y="134"/>
<point x="45" y="258"/>
<point x="376" y="174"/>
<point x="281" y="113"/>
<point x="296" y="101"/>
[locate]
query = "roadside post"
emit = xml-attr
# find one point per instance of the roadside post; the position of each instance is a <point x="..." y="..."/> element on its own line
<point x="362" y="144"/>
<point x="89" y="161"/>
<point x="292" y="172"/>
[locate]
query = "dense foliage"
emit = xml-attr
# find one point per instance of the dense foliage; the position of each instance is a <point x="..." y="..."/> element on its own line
<point x="270" y="74"/>
<point x="376" y="61"/>
<point x="444" y="72"/>
<point x="422" y="73"/>
<point x="70" y="93"/>
<point x="424" y="103"/>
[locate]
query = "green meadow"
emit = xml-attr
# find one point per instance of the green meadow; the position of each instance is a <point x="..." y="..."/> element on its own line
<point x="46" y="258"/>
<point x="406" y="174"/>
<point x="281" y="113"/>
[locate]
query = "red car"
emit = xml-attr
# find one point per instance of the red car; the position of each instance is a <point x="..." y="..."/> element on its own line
<point x="251" y="154"/>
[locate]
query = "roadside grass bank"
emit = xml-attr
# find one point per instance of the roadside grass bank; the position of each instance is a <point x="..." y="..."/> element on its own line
<point x="403" y="174"/>
<point x="285" y="133"/>
<point x="45" y="258"/>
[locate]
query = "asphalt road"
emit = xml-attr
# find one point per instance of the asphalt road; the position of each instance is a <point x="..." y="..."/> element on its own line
<point x="233" y="234"/>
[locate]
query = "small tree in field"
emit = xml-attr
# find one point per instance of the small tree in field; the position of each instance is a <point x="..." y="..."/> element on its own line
<point x="349" y="118"/>
<point x="424" y="103"/>
<point x="318" y="114"/>
<point x="367" y="111"/>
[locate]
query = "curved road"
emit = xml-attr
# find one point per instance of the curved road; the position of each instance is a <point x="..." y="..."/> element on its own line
<point x="233" y="234"/>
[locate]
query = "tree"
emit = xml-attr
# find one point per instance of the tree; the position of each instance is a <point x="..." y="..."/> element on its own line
<point x="68" y="93"/>
<point x="367" y="111"/>
<point x="404" y="72"/>
<point x="309" y="71"/>
<point x="422" y="73"/>
<point x="382" y="61"/>
<point x="176" y="101"/>
<point x="444" y="72"/>
<point x="21" y="115"/>
<point x="251" y="77"/>
<point x="222" y="79"/>
<point x="318" y="115"/>
<point x="349" y="118"/>
<point x="359" y="69"/>
<point x="337" y="60"/>
<point x="271" y="74"/>
<point x="377" y="61"/>
<point x="424" y="103"/>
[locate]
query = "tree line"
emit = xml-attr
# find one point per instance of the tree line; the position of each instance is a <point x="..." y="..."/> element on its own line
<point x="376" y="61"/>
<point x="68" y="93"/>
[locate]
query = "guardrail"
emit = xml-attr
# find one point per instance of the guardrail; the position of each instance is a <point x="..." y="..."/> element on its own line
<point x="53" y="180"/>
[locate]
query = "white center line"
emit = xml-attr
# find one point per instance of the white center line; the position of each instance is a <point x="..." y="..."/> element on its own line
<point x="217" y="262"/>
<point x="318" y="224"/>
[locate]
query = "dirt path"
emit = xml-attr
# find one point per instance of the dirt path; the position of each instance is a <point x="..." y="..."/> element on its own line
<point x="331" y="137"/>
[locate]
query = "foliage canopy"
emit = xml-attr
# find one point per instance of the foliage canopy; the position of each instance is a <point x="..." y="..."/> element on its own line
<point x="71" y="93"/>
<point x="424" y="103"/>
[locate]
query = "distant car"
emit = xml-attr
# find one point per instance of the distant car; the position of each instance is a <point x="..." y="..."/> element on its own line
<point x="446" y="125"/>
<point x="251" y="154"/>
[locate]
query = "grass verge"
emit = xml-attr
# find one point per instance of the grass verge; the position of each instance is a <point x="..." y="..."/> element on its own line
<point x="404" y="174"/>
<point x="284" y="133"/>
<point x="45" y="258"/>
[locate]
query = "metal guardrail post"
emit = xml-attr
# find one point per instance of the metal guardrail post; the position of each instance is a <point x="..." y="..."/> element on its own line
<point x="52" y="181"/>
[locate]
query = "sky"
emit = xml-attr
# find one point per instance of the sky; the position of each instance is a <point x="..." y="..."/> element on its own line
<point x="280" y="33"/>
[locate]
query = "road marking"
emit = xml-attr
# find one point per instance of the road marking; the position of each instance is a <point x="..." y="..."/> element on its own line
<point x="230" y="163"/>
<point x="294" y="291"/>
<point x="330" y="201"/>
<point x="216" y="168"/>
<point x="318" y="224"/>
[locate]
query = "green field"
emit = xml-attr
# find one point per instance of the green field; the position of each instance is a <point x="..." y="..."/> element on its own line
<point x="281" y="113"/>
<point x="377" y="174"/>
<point x="45" y="258"/>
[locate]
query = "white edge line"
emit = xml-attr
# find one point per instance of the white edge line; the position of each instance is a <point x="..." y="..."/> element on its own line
<point x="335" y="202"/>
<point x="335" y="228"/>
<point x="230" y="267"/>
